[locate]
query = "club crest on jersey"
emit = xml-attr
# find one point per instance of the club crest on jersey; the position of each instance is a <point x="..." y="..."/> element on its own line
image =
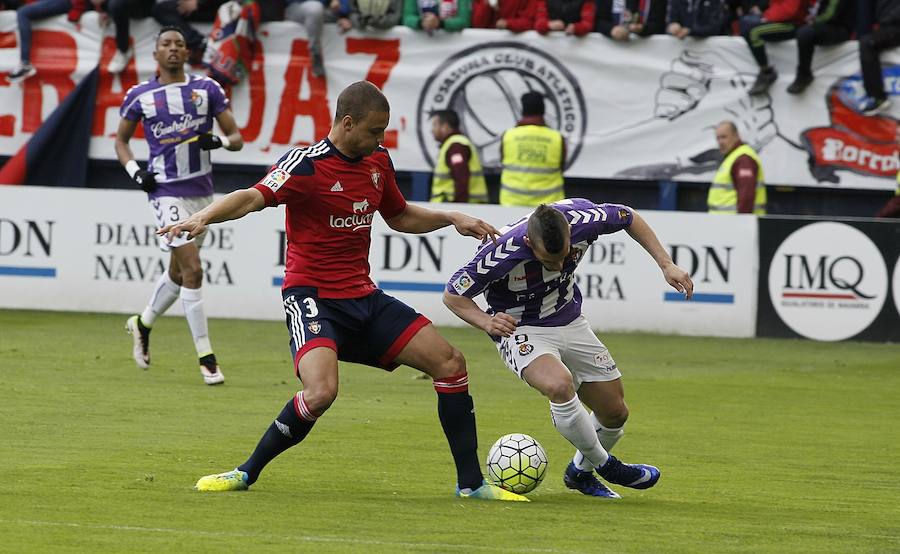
<point x="463" y="283"/>
<point x="275" y="179"/>
<point x="196" y="98"/>
<point x="525" y="349"/>
<point x="314" y="327"/>
<point x="376" y="179"/>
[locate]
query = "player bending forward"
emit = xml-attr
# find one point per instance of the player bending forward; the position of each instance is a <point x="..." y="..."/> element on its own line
<point x="535" y="318"/>
<point x="332" y="190"/>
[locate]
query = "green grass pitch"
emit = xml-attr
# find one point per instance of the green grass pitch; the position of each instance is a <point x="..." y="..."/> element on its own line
<point x="764" y="446"/>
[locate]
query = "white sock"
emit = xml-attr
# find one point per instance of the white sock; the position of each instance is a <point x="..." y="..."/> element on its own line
<point x="164" y="295"/>
<point x="608" y="437"/>
<point x="192" y="300"/>
<point x="573" y="422"/>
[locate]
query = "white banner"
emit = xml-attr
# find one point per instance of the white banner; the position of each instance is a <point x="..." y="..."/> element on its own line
<point x="94" y="250"/>
<point x="640" y="110"/>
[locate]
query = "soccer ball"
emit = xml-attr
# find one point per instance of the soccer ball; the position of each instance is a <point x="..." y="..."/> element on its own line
<point x="517" y="463"/>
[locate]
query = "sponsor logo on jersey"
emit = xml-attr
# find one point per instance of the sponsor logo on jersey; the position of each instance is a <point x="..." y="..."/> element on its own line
<point x="525" y="349"/>
<point x="360" y="219"/>
<point x="275" y="179"/>
<point x="314" y="327"/>
<point x="463" y="283"/>
<point x="184" y="125"/>
<point x="361" y="207"/>
<point x="337" y="187"/>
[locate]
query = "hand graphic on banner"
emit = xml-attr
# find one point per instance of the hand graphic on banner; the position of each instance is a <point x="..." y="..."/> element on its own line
<point x="702" y="75"/>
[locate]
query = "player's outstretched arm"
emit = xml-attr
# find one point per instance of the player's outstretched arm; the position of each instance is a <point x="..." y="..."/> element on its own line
<point x="674" y="275"/>
<point x="497" y="325"/>
<point x="416" y="219"/>
<point x="233" y="205"/>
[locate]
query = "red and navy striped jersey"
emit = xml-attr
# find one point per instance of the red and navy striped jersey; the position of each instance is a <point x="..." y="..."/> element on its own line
<point x="330" y="201"/>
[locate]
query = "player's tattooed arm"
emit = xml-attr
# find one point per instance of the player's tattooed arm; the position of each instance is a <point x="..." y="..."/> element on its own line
<point x="678" y="278"/>
<point x="497" y="325"/>
<point x="233" y="205"/>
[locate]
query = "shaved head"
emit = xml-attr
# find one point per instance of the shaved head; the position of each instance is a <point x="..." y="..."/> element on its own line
<point x="360" y="99"/>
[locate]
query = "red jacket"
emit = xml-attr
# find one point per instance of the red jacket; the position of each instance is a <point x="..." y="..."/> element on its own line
<point x="787" y="11"/>
<point x="582" y="27"/>
<point x="519" y="15"/>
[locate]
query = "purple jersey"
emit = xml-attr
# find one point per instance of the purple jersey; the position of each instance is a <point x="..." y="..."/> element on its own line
<point x="514" y="282"/>
<point x="173" y="114"/>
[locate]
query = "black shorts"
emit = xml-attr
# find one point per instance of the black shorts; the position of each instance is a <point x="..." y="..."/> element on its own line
<point x="371" y="330"/>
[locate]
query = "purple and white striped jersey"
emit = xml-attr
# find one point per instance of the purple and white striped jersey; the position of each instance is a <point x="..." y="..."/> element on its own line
<point x="515" y="282"/>
<point x="172" y="115"/>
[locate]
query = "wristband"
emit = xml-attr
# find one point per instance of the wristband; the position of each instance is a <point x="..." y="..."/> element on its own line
<point x="225" y="142"/>
<point x="131" y="168"/>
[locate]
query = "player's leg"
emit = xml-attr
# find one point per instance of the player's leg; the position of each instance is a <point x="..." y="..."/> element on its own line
<point x="547" y="374"/>
<point x="316" y="363"/>
<point x="318" y="370"/>
<point x="609" y="412"/>
<point x="187" y="257"/>
<point x="165" y="291"/>
<point x="430" y="353"/>
<point x="599" y="386"/>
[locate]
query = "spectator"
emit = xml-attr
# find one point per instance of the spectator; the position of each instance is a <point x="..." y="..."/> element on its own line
<point x="738" y="186"/>
<point x="891" y="208"/>
<point x="513" y="15"/>
<point x="312" y="14"/>
<point x="649" y="17"/>
<point x="175" y="13"/>
<point x="41" y="9"/>
<point x="778" y="22"/>
<point x="122" y="12"/>
<point x="430" y="15"/>
<point x="575" y="17"/>
<point x="372" y="14"/>
<point x="458" y="175"/>
<point x="832" y="23"/>
<point x="697" y="18"/>
<point x="884" y="37"/>
<point x="533" y="158"/>
<point x="613" y="19"/>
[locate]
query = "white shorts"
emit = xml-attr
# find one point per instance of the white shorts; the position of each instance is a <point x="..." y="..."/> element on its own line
<point x="574" y="344"/>
<point x="169" y="209"/>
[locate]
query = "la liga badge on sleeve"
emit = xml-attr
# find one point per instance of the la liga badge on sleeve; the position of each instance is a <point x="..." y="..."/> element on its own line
<point x="275" y="179"/>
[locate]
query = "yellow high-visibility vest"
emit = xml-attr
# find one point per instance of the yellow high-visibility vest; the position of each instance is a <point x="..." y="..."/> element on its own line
<point x="722" y="198"/>
<point x="442" y="189"/>
<point x="532" y="161"/>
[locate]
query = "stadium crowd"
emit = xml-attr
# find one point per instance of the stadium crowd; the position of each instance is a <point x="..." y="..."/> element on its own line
<point x="874" y="23"/>
<point x="811" y="22"/>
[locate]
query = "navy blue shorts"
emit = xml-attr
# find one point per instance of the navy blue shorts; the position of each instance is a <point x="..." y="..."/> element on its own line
<point x="371" y="330"/>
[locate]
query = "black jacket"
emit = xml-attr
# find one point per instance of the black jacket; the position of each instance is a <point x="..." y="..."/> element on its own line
<point x="704" y="18"/>
<point x="653" y="18"/>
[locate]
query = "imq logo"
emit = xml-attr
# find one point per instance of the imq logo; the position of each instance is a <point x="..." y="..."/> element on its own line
<point x="827" y="281"/>
<point x="484" y="85"/>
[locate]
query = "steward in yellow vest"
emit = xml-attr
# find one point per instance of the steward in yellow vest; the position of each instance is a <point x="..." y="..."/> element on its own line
<point x="739" y="183"/>
<point x="533" y="157"/>
<point x="458" y="175"/>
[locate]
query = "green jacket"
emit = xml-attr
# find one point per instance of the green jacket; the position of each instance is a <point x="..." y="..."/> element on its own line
<point x="412" y="15"/>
